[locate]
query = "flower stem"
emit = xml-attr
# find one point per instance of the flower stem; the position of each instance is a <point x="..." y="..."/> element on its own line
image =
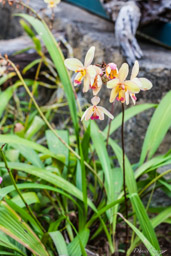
<point x="124" y="177"/>
<point x="110" y="121"/>
<point x="17" y="189"/>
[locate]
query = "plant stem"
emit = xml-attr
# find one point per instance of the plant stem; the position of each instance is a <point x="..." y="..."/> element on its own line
<point x="124" y="178"/>
<point x="110" y="121"/>
<point x="17" y="189"/>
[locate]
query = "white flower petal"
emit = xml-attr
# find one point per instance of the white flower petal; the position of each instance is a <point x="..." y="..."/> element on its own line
<point x="135" y="70"/>
<point x="106" y="112"/>
<point x="131" y="86"/>
<point x="87" y="112"/>
<point x="89" y="56"/>
<point x="127" y="98"/>
<point x="73" y="64"/>
<point x="87" y="83"/>
<point x="95" y="100"/>
<point x="91" y="72"/>
<point x="113" y="94"/>
<point x="112" y="83"/>
<point x="146" y="84"/>
<point x="123" y="72"/>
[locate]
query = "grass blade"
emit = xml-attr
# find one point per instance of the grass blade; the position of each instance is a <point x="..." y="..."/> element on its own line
<point x="13" y="226"/>
<point x="136" y="202"/>
<point x="157" y="128"/>
<point x="59" y="242"/>
<point x="58" y="59"/>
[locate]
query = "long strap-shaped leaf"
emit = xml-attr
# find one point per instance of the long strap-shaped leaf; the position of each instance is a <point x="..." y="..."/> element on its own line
<point x="100" y="148"/>
<point x="51" y="178"/>
<point x="136" y="202"/>
<point x="157" y="128"/>
<point x="58" y="59"/>
<point x="13" y="226"/>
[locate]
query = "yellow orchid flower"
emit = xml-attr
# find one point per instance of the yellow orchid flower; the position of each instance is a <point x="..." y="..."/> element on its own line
<point x="86" y="71"/>
<point x="120" y="85"/>
<point x="111" y="71"/>
<point x="97" y="81"/>
<point x="142" y="82"/>
<point x="96" y="112"/>
<point x="52" y="3"/>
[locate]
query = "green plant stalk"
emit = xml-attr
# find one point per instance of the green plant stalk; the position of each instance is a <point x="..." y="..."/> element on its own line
<point x="48" y="124"/>
<point x="154" y="180"/>
<point x="124" y="178"/>
<point x="18" y="191"/>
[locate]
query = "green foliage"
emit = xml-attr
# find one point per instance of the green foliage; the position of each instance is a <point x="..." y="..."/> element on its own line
<point x="69" y="182"/>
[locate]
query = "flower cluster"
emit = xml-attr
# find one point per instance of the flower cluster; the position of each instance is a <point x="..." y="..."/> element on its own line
<point x="93" y="77"/>
<point x="52" y="3"/>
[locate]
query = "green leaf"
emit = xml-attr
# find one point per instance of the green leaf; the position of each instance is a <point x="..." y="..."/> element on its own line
<point x="30" y="198"/>
<point x="156" y="221"/>
<point x="13" y="139"/>
<point x="27" y="29"/>
<point x="58" y="59"/>
<point x="136" y="202"/>
<point x="157" y="128"/>
<point x="24" y="215"/>
<point x="74" y="247"/>
<point x="5" y="97"/>
<point x="55" y="145"/>
<point x="30" y="65"/>
<point x="4" y="78"/>
<point x="49" y="177"/>
<point x="59" y="242"/>
<point x="100" y="147"/>
<point x="29" y="154"/>
<point x="145" y="241"/>
<point x="5" y="242"/>
<point x="34" y="127"/>
<point x="12" y="225"/>
<point x="129" y="113"/>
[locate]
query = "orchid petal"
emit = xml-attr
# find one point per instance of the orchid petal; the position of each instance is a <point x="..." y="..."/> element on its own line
<point x="113" y="94"/>
<point x="133" y="98"/>
<point x="87" y="113"/>
<point x="127" y="98"/>
<point x="123" y="72"/>
<point x="73" y="64"/>
<point x="135" y="70"/>
<point x="100" y="113"/>
<point x="137" y="82"/>
<point x="106" y="112"/>
<point x="91" y="72"/>
<point x="96" y="90"/>
<point x="112" y="83"/>
<point x="145" y="84"/>
<point x="95" y="100"/>
<point x="86" y="85"/>
<point x="78" y="79"/>
<point x="89" y="56"/>
<point x="131" y="86"/>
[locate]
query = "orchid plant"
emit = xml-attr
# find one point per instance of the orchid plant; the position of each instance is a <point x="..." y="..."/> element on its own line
<point x="122" y="88"/>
